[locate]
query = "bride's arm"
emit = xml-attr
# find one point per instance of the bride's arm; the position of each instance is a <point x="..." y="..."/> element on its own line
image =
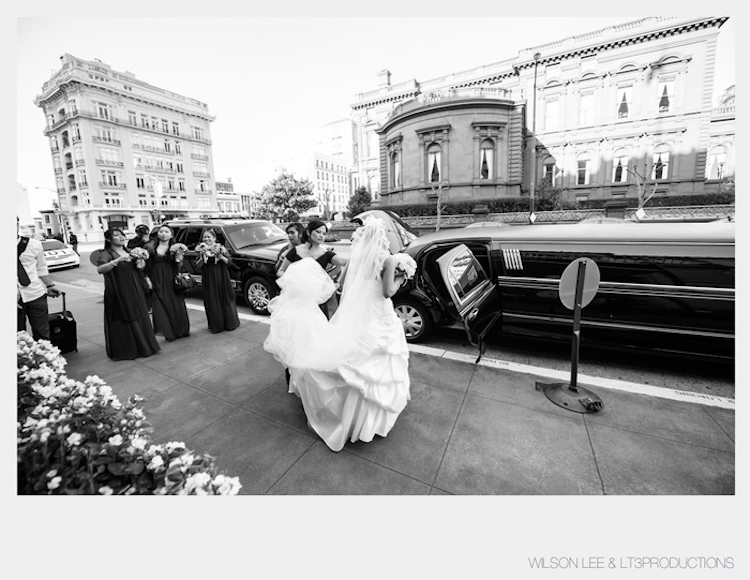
<point x="391" y="282"/>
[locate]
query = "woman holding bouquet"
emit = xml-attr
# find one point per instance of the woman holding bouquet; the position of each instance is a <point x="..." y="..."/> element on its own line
<point x="218" y="294"/>
<point x="169" y="310"/>
<point x="128" y="333"/>
<point x="352" y="372"/>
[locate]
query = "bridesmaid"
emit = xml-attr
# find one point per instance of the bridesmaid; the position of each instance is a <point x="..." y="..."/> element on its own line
<point x="128" y="333"/>
<point x="218" y="295"/>
<point x="169" y="310"/>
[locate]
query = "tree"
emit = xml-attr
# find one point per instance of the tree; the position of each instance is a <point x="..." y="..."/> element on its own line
<point x="285" y="197"/>
<point x="359" y="201"/>
<point x="645" y="192"/>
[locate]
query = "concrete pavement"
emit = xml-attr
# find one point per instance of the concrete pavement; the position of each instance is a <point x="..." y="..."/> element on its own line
<point x="468" y="430"/>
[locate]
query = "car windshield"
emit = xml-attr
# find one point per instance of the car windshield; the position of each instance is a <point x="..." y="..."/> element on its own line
<point x="254" y="233"/>
<point x="53" y="245"/>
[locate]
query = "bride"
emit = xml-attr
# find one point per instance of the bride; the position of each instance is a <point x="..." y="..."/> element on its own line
<point x="352" y="372"/>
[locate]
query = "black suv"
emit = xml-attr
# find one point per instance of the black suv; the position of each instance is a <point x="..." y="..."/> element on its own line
<point x="254" y="245"/>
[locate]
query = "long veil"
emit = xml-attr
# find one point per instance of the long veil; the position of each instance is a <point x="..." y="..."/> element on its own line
<point x="300" y="336"/>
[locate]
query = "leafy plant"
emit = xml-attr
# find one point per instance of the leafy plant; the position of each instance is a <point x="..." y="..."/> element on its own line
<point x="77" y="438"/>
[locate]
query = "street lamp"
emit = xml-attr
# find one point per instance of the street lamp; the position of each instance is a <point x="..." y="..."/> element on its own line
<point x="533" y="141"/>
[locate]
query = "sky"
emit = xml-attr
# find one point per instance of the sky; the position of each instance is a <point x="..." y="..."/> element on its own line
<point x="271" y="82"/>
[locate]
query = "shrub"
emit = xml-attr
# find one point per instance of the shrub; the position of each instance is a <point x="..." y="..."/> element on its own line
<point x="77" y="438"/>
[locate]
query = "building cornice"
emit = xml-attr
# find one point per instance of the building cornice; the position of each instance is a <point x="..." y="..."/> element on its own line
<point x="636" y="32"/>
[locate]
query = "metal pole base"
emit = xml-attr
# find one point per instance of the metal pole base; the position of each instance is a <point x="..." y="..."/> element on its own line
<point x="579" y="401"/>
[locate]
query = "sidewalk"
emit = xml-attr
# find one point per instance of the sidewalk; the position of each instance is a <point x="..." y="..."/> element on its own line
<point x="468" y="429"/>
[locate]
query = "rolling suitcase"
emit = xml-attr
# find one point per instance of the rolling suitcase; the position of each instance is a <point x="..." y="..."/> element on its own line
<point x="62" y="329"/>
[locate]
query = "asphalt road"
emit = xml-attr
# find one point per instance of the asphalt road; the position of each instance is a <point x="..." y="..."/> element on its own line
<point x="686" y="375"/>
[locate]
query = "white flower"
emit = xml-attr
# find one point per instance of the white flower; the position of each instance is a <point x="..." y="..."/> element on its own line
<point x="44" y="436"/>
<point x="54" y="483"/>
<point x="106" y="490"/>
<point x="115" y="440"/>
<point x="156" y="463"/>
<point x="52" y="473"/>
<point x="74" y="439"/>
<point x="406" y="264"/>
<point x="139" y="442"/>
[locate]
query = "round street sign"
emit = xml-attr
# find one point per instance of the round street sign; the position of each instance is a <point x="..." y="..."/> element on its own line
<point x="569" y="279"/>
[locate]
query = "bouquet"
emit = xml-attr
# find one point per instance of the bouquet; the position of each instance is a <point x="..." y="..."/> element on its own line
<point x="178" y="250"/>
<point x="405" y="265"/>
<point x="212" y="250"/>
<point x="140" y="255"/>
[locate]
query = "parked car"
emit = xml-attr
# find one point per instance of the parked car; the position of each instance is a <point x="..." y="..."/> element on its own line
<point x="664" y="287"/>
<point x="59" y="255"/>
<point x="254" y="245"/>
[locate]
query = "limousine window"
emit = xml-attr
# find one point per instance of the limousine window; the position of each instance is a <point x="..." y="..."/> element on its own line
<point x="673" y="271"/>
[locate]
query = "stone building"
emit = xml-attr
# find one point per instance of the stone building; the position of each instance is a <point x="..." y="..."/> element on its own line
<point x="124" y="152"/>
<point x="600" y="111"/>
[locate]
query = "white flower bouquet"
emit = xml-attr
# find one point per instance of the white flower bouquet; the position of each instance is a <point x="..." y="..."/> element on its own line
<point x="140" y="255"/>
<point x="76" y="438"/>
<point x="178" y="250"/>
<point x="405" y="265"/>
<point x="211" y="250"/>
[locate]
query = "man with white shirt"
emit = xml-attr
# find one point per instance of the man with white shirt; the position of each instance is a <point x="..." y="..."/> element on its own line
<point x="33" y="286"/>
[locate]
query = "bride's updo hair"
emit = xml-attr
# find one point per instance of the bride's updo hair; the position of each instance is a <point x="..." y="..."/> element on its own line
<point x="311" y="227"/>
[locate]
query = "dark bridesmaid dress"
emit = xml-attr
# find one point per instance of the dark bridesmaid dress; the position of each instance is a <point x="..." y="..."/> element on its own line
<point x="169" y="310"/>
<point x="218" y="296"/>
<point x="128" y="333"/>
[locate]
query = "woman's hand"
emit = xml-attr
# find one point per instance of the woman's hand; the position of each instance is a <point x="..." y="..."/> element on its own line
<point x="149" y="284"/>
<point x="124" y="258"/>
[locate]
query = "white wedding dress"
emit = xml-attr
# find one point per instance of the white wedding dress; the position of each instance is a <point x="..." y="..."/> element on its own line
<point x="352" y="373"/>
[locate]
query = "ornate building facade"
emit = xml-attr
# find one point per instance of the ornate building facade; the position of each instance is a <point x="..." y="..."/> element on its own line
<point x="598" y="112"/>
<point x="124" y="152"/>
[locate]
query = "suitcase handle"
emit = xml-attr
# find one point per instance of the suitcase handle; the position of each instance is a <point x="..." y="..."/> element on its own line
<point x="63" y="299"/>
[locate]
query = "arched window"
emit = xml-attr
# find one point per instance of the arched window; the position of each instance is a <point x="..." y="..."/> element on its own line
<point x="550" y="173"/>
<point x="434" y="153"/>
<point x="395" y="170"/>
<point x="620" y="162"/>
<point x="716" y="168"/>
<point x="660" y="162"/>
<point x="487" y="159"/>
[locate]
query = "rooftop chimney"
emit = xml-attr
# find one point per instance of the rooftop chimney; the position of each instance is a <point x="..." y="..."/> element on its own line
<point x="384" y="78"/>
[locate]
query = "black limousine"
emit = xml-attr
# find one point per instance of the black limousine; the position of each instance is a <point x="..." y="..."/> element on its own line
<point x="665" y="287"/>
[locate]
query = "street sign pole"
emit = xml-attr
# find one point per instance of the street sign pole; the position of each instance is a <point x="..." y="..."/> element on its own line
<point x="583" y="275"/>
<point x="577" y="326"/>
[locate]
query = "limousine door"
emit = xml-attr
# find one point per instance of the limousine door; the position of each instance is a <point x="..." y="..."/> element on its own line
<point x="476" y="298"/>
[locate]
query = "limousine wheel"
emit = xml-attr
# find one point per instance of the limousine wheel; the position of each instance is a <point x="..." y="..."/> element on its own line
<point x="258" y="294"/>
<point x="415" y="318"/>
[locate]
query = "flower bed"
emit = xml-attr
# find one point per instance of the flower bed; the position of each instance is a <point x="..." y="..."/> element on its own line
<point x="77" y="438"/>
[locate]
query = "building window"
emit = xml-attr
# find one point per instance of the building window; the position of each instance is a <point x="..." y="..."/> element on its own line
<point x="132" y="118"/>
<point x="586" y="113"/>
<point x="395" y="170"/>
<point x="549" y="172"/>
<point x="551" y="110"/>
<point x="102" y="110"/>
<point x="434" y="153"/>
<point x="624" y="100"/>
<point x="177" y="148"/>
<point x="197" y="133"/>
<point x="82" y="179"/>
<point x="487" y="159"/>
<point x="582" y="174"/>
<point x="660" y="163"/>
<point x="164" y="126"/>
<point x="620" y="167"/>
<point x="666" y="96"/>
<point x="717" y="162"/>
